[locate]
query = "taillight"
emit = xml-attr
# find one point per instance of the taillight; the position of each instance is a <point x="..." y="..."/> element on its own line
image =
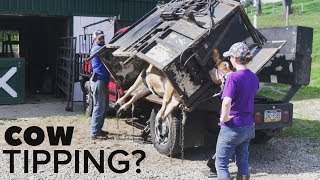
<point x="257" y="118"/>
<point x="87" y="67"/>
<point x="285" y="115"/>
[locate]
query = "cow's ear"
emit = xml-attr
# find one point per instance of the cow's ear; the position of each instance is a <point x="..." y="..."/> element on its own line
<point x="226" y="64"/>
<point x="215" y="55"/>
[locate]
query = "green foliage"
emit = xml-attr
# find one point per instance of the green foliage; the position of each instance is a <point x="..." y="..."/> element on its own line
<point x="13" y="34"/>
<point x="273" y="91"/>
<point x="248" y="3"/>
<point x="306" y="129"/>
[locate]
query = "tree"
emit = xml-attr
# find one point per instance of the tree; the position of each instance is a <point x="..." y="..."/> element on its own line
<point x="258" y="7"/>
<point x="286" y="3"/>
<point x="247" y="3"/>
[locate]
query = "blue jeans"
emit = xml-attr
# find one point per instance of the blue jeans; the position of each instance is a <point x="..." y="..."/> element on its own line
<point x="233" y="140"/>
<point x="100" y="99"/>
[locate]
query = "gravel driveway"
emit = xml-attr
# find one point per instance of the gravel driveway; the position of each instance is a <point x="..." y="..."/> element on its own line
<point x="282" y="158"/>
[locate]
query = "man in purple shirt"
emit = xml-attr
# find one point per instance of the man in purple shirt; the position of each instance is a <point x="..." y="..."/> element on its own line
<point x="236" y="119"/>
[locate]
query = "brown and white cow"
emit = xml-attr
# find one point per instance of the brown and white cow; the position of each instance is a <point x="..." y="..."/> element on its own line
<point x="157" y="83"/>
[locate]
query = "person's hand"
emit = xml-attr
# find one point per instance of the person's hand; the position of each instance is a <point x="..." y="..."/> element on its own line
<point x="226" y="118"/>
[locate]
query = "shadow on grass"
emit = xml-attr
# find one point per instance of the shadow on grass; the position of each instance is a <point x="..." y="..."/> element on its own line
<point x="307" y="92"/>
<point x="277" y="92"/>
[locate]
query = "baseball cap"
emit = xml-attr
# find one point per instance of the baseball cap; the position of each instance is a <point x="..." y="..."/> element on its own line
<point x="238" y="49"/>
<point x="97" y="34"/>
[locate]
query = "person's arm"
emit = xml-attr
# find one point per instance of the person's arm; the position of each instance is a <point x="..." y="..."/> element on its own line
<point x="93" y="50"/>
<point x="225" y="110"/>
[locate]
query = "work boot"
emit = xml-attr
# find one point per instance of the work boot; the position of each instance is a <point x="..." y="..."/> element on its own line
<point x="211" y="165"/>
<point x="95" y="137"/>
<point x="104" y="133"/>
<point x="243" y="177"/>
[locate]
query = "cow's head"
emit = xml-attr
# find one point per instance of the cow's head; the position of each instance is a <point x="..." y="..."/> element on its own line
<point x="222" y="67"/>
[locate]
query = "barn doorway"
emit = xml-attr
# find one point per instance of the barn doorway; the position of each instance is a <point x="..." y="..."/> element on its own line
<point x="35" y="39"/>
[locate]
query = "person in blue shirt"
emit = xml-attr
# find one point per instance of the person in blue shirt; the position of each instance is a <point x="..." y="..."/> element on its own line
<point x="99" y="87"/>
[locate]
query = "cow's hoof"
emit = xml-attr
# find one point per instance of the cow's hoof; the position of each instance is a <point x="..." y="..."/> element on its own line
<point x="117" y="106"/>
<point x="122" y="113"/>
<point x="160" y="126"/>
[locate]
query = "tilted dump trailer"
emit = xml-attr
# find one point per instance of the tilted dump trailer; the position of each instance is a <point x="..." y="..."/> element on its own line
<point x="178" y="38"/>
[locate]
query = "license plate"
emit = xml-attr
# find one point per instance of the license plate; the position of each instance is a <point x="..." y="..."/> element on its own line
<point x="272" y="115"/>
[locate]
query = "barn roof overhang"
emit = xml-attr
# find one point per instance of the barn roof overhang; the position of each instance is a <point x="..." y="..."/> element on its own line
<point x="127" y="9"/>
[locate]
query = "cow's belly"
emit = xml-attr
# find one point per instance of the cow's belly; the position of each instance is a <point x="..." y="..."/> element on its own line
<point x="156" y="84"/>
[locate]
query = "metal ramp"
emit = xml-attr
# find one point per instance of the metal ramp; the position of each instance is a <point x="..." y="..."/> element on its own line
<point x="261" y="56"/>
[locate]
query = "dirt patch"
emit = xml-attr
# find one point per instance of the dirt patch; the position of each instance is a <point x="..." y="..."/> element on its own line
<point x="39" y="110"/>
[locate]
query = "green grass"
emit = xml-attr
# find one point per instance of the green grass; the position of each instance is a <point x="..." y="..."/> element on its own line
<point x="310" y="18"/>
<point x="273" y="91"/>
<point x="313" y="90"/>
<point x="7" y="120"/>
<point x="306" y="129"/>
<point x="64" y="116"/>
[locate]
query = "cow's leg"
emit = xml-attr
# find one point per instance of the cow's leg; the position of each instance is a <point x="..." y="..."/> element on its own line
<point x="135" y="85"/>
<point x="161" y="121"/>
<point x="142" y="93"/>
<point x="170" y="107"/>
<point x="168" y="92"/>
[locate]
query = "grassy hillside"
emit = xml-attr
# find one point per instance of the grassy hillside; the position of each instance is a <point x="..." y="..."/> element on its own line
<point x="310" y="17"/>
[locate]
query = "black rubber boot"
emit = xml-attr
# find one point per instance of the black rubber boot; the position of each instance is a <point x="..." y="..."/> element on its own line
<point x="211" y="165"/>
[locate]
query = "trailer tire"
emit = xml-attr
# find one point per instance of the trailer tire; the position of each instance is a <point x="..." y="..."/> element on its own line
<point x="261" y="138"/>
<point x="88" y="98"/>
<point x="170" y="144"/>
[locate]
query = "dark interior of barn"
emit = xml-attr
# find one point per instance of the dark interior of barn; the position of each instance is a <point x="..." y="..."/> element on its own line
<point x="35" y="39"/>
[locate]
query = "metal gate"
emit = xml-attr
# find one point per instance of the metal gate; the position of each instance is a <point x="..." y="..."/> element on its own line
<point x="85" y="43"/>
<point x="83" y="67"/>
<point x="65" y="73"/>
